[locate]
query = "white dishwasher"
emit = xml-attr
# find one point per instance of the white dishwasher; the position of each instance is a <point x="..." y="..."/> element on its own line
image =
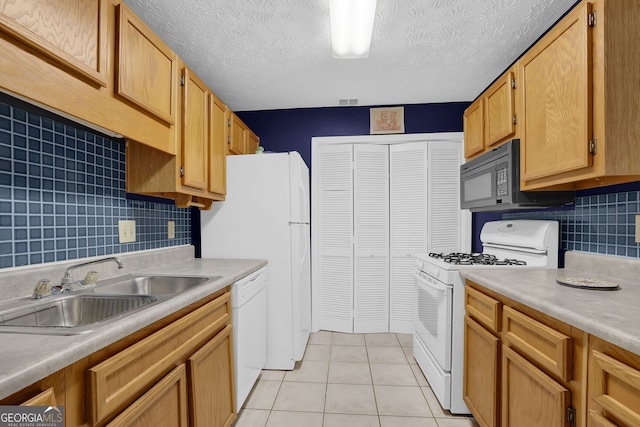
<point x="249" y="311"/>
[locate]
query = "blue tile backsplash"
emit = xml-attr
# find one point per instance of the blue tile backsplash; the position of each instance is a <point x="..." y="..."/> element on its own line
<point x="599" y="223"/>
<point x="62" y="192"/>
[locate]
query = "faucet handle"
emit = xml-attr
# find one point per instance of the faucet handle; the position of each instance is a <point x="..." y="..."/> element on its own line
<point x="42" y="289"/>
<point x="91" y="278"/>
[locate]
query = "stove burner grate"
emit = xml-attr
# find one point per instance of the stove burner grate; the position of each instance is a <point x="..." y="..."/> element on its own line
<point x="460" y="258"/>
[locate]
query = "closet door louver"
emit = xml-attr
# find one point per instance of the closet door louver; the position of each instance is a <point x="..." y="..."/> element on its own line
<point x="408" y="233"/>
<point x="335" y="248"/>
<point x="444" y="218"/>
<point x="371" y="238"/>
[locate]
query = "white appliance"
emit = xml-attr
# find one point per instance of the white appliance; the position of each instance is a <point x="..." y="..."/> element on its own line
<point x="266" y="216"/>
<point x="438" y="338"/>
<point x="249" y="313"/>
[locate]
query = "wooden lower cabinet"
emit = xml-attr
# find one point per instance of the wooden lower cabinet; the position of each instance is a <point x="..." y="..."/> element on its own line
<point x="481" y="390"/>
<point x="210" y="371"/>
<point x="164" y="405"/>
<point x="529" y="396"/>
<point x="527" y="370"/>
<point x="614" y="385"/>
<point x="178" y="371"/>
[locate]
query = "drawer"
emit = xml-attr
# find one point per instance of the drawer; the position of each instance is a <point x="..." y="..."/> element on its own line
<point x="45" y="398"/>
<point x="482" y="308"/>
<point x="122" y="378"/>
<point x="549" y="349"/>
<point x="615" y="387"/>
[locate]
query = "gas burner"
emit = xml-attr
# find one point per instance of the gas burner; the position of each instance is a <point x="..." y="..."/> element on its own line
<point x="459" y="258"/>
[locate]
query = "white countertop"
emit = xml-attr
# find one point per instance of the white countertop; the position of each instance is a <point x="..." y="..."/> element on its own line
<point x="613" y="316"/>
<point x="27" y="358"/>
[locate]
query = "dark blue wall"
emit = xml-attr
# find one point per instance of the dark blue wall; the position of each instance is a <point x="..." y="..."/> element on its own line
<point x="292" y="130"/>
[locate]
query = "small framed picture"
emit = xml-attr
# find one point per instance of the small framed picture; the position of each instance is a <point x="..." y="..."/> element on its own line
<point x="386" y="120"/>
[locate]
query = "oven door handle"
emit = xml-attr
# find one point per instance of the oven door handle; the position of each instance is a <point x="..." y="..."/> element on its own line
<point x="433" y="284"/>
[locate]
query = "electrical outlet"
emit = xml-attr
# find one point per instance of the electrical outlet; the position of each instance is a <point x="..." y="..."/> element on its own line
<point x="637" y="228"/>
<point x="127" y="231"/>
<point x="171" y="229"/>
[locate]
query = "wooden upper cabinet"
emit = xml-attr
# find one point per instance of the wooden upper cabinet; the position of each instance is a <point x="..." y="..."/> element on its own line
<point x="219" y="129"/>
<point x="556" y="99"/>
<point x="500" y="119"/>
<point x="474" y="129"/>
<point x="145" y="68"/>
<point x="252" y="142"/>
<point x="195" y="131"/>
<point x="72" y="33"/>
<point x="237" y="142"/>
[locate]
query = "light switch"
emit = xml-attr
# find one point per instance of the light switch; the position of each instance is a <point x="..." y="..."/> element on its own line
<point x="171" y="229"/>
<point x="127" y="231"/>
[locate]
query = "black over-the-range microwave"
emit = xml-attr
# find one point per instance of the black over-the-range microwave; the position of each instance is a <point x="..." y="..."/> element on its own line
<point x="491" y="182"/>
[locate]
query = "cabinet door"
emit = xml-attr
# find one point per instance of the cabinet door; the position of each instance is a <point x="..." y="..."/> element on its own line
<point x="253" y="142"/>
<point x="165" y="404"/>
<point x="474" y="128"/>
<point x="529" y="396"/>
<point x="211" y="382"/>
<point x="145" y="68"/>
<point x="219" y="131"/>
<point x="556" y="99"/>
<point x="500" y="114"/>
<point x="238" y="136"/>
<point x="73" y="33"/>
<point x="480" y="387"/>
<point x="195" y="131"/>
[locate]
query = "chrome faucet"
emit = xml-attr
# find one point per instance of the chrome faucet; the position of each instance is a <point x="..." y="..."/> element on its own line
<point x="67" y="279"/>
<point x="44" y="288"/>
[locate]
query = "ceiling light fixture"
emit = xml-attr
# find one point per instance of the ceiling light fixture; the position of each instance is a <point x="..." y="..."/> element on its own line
<point x="351" y="27"/>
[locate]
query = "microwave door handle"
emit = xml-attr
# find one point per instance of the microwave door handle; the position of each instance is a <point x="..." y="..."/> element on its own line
<point x="431" y="283"/>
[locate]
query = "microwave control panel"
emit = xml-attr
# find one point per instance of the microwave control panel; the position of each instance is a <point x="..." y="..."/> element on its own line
<point x="501" y="183"/>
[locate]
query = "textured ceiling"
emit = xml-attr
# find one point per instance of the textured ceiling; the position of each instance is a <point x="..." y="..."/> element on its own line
<point x="275" y="54"/>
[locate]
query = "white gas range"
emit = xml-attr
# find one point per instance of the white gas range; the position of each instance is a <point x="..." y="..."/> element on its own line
<point x="439" y="324"/>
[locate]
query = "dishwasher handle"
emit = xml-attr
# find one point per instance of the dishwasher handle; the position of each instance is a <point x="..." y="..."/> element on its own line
<point x="248" y="287"/>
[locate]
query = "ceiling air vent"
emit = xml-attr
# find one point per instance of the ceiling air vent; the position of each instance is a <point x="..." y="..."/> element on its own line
<point x="352" y="101"/>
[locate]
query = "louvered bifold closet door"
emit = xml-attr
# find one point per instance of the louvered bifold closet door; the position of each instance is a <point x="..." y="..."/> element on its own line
<point x="408" y="210"/>
<point x="444" y="212"/>
<point x="335" y="257"/>
<point x="371" y="238"/>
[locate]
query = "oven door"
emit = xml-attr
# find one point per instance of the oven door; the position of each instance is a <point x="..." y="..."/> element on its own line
<point x="433" y="317"/>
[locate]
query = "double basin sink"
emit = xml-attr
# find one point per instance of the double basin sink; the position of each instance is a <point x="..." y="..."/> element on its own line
<point x="82" y="311"/>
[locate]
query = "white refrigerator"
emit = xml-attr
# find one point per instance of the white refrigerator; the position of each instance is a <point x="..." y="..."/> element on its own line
<point x="266" y="216"/>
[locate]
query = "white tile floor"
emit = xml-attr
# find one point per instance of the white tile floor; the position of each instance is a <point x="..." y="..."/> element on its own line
<point x="349" y="380"/>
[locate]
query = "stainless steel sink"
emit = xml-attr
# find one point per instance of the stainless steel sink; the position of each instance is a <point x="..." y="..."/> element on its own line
<point x="70" y="314"/>
<point x="82" y="311"/>
<point x="152" y="285"/>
